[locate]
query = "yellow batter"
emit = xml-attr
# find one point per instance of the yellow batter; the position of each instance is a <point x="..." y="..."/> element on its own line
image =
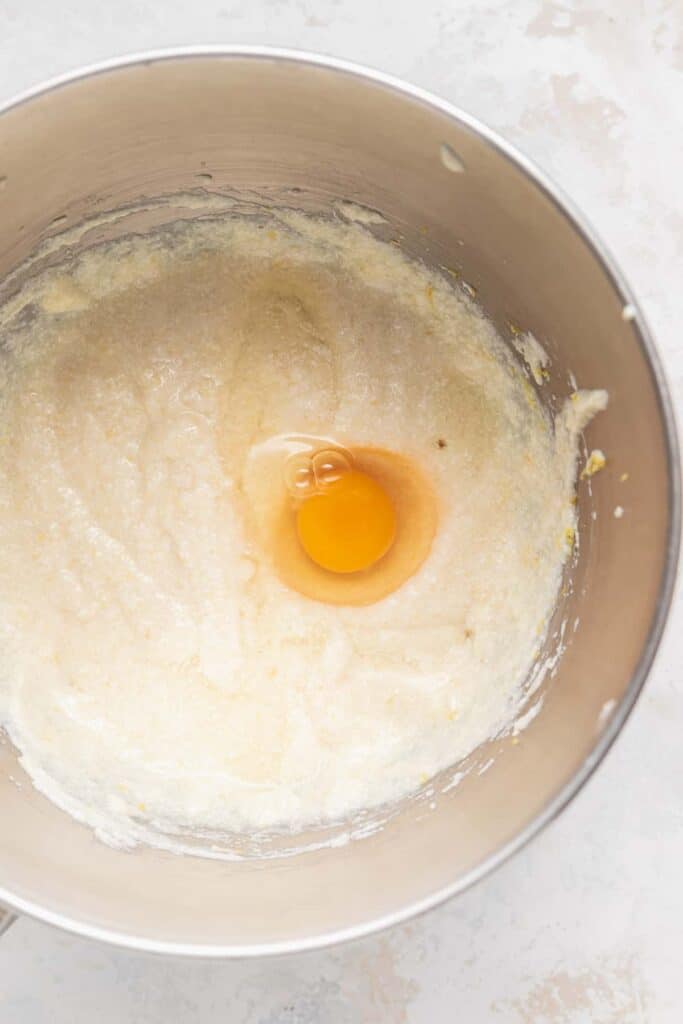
<point x="160" y="664"/>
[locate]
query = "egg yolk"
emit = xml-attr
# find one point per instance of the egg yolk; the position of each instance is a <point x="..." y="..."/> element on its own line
<point x="349" y="525"/>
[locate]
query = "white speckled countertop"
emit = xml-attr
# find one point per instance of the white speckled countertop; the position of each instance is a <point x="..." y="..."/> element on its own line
<point x="586" y="925"/>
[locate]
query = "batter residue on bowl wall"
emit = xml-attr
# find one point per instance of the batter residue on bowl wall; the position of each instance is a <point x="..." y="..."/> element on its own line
<point x="159" y="662"/>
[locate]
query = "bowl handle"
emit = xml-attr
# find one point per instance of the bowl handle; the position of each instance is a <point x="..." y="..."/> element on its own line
<point x="7" y="918"/>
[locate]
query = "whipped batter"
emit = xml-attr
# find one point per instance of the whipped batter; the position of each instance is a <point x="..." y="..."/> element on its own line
<point x="156" y="667"/>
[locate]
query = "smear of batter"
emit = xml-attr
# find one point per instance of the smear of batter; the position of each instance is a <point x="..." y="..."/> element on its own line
<point x="157" y="667"/>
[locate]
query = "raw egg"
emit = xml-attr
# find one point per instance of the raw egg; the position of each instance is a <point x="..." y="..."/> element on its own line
<point x="350" y="524"/>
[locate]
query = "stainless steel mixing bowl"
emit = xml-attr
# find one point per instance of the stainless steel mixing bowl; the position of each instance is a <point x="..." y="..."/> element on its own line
<point x="279" y="127"/>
